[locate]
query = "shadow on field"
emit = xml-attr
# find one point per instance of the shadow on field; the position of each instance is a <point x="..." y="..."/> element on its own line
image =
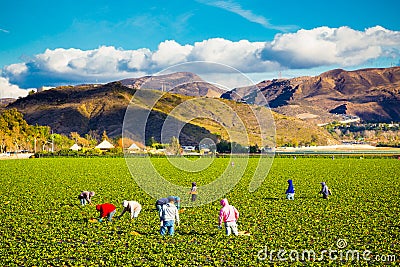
<point x="304" y="197"/>
<point x="193" y="232"/>
<point x="284" y="199"/>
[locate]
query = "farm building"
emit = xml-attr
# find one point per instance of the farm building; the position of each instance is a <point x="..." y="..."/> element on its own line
<point x="105" y="145"/>
<point x="75" y="147"/>
<point x="136" y="148"/>
<point x="133" y="147"/>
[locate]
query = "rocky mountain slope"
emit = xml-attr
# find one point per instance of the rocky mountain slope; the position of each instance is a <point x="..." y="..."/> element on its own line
<point x="5" y="101"/>
<point x="184" y="83"/>
<point x="371" y="94"/>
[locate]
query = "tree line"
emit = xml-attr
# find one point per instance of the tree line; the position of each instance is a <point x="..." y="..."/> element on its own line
<point x="16" y="135"/>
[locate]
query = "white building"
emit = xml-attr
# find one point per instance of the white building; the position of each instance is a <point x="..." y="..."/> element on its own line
<point x="105" y="145"/>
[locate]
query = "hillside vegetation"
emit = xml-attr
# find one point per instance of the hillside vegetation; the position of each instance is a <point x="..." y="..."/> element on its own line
<point x="95" y="109"/>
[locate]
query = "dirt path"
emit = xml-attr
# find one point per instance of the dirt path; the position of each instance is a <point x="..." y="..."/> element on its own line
<point x="16" y="156"/>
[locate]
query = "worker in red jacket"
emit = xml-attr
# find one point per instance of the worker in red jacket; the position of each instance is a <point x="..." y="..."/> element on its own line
<point x="106" y="210"/>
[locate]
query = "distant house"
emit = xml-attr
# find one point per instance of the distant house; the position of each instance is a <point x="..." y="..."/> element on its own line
<point x="75" y="147"/>
<point x="188" y="148"/>
<point x="105" y="145"/>
<point x="133" y="147"/>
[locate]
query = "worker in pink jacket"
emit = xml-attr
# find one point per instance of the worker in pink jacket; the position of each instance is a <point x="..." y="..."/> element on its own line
<point x="228" y="215"/>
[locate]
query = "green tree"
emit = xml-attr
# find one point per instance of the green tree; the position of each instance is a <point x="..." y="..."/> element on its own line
<point x="238" y="148"/>
<point x="104" y="136"/>
<point x="17" y="134"/>
<point x="174" y="148"/>
<point x="61" y="141"/>
<point x="224" y="147"/>
<point x="254" y="149"/>
<point x="83" y="142"/>
<point x="151" y="141"/>
<point x="92" y="141"/>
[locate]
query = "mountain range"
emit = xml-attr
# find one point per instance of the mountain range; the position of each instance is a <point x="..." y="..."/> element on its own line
<point x="297" y="105"/>
<point x="371" y="94"/>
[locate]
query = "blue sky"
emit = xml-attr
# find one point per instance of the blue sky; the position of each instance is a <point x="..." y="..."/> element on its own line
<point x="68" y="42"/>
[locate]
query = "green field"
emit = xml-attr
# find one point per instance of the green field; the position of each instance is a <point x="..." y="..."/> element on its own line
<point x="42" y="223"/>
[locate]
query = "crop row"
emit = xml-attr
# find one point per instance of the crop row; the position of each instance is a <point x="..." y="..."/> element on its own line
<point x="42" y="222"/>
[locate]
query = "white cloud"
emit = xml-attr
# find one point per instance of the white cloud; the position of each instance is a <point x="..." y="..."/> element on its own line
<point x="242" y="55"/>
<point x="16" y="69"/>
<point x="171" y="53"/>
<point x="138" y="59"/>
<point x="331" y="46"/>
<point x="304" y="49"/>
<point x="8" y="90"/>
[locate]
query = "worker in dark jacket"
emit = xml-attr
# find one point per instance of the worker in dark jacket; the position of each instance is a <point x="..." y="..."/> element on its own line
<point x="193" y="191"/>
<point x="169" y="216"/>
<point x="325" y="191"/>
<point x="162" y="201"/>
<point x="85" y="197"/>
<point x="290" y="190"/>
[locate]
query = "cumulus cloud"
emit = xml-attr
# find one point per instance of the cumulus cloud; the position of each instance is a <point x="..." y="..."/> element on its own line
<point x="8" y="90"/>
<point x="242" y="55"/>
<point x="171" y="53"/>
<point x="303" y="49"/>
<point x="325" y="46"/>
<point x="71" y="66"/>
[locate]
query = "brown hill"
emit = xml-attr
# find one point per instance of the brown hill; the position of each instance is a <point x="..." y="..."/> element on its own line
<point x="77" y="108"/>
<point x="184" y="83"/>
<point x="95" y="108"/>
<point x="371" y="94"/>
<point x="5" y="101"/>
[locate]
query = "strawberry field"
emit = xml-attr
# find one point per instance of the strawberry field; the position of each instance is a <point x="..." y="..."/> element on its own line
<point x="43" y="224"/>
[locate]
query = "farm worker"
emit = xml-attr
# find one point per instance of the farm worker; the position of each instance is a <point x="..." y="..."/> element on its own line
<point x="85" y="197"/>
<point x="177" y="201"/>
<point x="290" y="190"/>
<point x="168" y="216"/>
<point x="193" y="191"/>
<point x="106" y="210"/>
<point x="162" y="201"/>
<point x="228" y="215"/>
<point x="132" y="207"/>
<point x="325" y="191"/>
